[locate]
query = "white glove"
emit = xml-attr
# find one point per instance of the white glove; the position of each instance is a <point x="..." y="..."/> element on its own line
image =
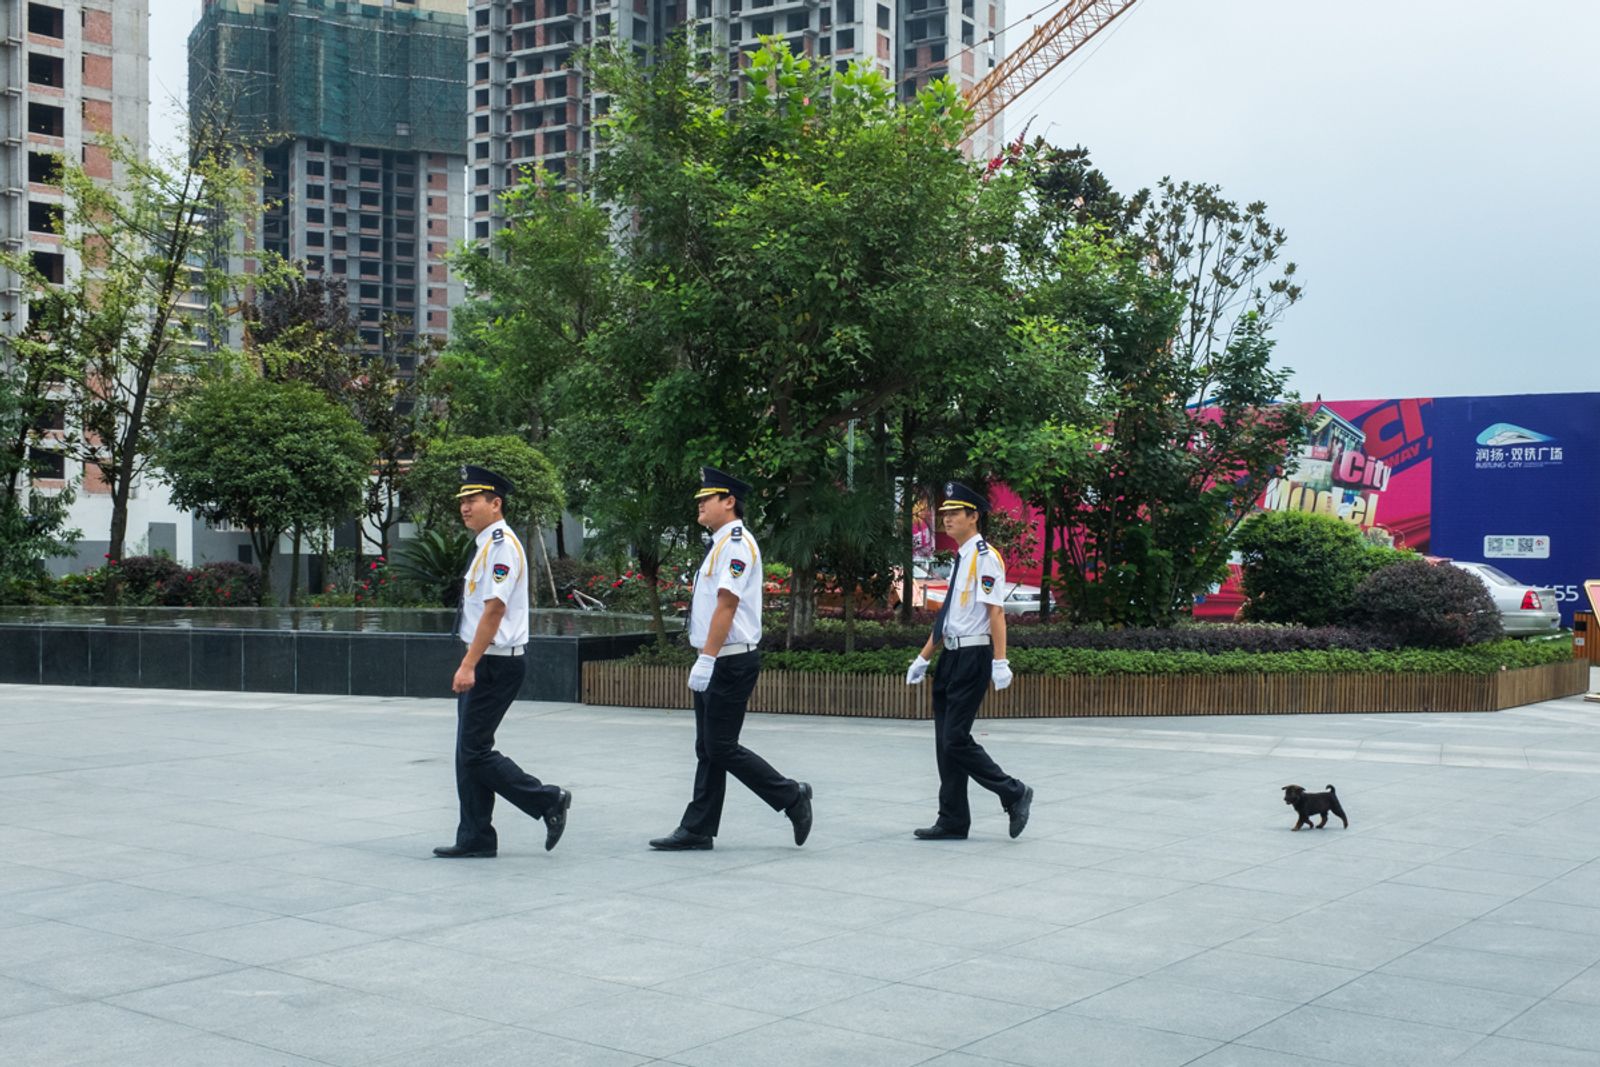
<point x="1001" y="673"/>
<point x="700" y="673"/>
<point x="917" y="671"/>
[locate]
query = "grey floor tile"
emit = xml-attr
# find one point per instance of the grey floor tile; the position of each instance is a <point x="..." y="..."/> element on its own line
<point x="19" y="998"/>
<point x="1458" y="1007"/>
<point x="1524" y="975"/>
<point x="1262" y="976"/>
<point x="927" y="1016"/>
<point x="505" y="1046"/>
<point x="1585" y="988"/>
<point x="649" y="1023"/>
<point x="966" y="929"/>
<point x="1367" y="1040"/>
<point x="771" y="986"/>
<point x="1103" y="951"/>
<point x="1505" y="1052"/>
<point x="86" y="1031"/>
<point x="1532" y="941"/>
<point x="1324" y="945"/>
<point x="123" y="968"/>
<point x="1064" y="1038"/>
<point x="270" y="941"/>
<point x="1019" y="980"/>
<point x="1184" y="1009"/>
<point x="876" y="956"/>
<point x="1245" y="1056"/>
<point x="797" y="1043"/>
<point x="1558" y="1022"/>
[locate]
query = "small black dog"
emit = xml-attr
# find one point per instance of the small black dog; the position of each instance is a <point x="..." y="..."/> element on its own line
<point x="1307" y="805"/>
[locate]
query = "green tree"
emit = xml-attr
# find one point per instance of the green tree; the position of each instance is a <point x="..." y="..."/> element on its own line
<point x="268" y="456"/>
<point x="536" y="501"/>
<point x="154" y="256"/>
<point x="806" y="253"/>
<point x="1301" y="567"/>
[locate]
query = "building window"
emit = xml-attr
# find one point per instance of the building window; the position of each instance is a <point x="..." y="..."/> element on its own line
<point x="44" y="218"/>
<point x="47" y="70"/>
<point x="370" y="246"/>
<point x="316" y="168"/>
<point x="480" y="203"/>
<point x="846" y="10"/>
<point x="883" y="16"/>
<point x="966" y="32"/>
<point x="340" y="242"/>
<point x="315" y="192"/>
<point x="47" y="21"/>
<point x="315" y="215"/>
<point x="480" y="150"/>
<point x="481" y="72"/>
<point x="47" y="119"/>
<point x="52" y="265"/>
<point x="844" y="40"/>
<point x="481" y="46"/>
<point x="340" y="220"/>
<point x="47" y="464"/>
<point x="480" y="177"/>
<point x="799" y="20"/>
<point x="44" y="168"/>
<point x="316" y="239"/>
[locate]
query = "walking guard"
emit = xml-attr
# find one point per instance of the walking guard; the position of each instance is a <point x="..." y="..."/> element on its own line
<point x="725" y="625"/>
<point x="971" y="625"/>
<point x="492" y="620"/>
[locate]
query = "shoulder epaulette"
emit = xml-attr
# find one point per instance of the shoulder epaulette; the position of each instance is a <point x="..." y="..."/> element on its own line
<point x="982" y="546"/>
<point x="737" y="534"/>
<point x="498" y="535"/>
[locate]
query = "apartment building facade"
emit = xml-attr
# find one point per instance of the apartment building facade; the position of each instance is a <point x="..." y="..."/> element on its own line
<point x="358" y="107"/>
<point x="531" y="107"/>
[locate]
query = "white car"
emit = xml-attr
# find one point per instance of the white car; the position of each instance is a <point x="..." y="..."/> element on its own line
<point x="1524" y="609"/>
<point x="1020" y="599"/>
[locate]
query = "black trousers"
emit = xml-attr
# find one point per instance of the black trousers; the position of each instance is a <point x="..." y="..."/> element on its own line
<point x="718" y="718"/>
<point x="960" y="680"/>
<point x="481" y="772"/>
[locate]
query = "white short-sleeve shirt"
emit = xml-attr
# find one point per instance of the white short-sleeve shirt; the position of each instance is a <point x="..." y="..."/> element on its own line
<point x="978" y="580"/>
<point x="499" y="571"/>
<point x="734" y="564"/>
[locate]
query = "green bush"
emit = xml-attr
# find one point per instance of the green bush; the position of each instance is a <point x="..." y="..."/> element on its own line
<point x="1426" y="606"/>
<point x="1476" y="659"/>
<point x="1304" y="568"/>
<point x="143" y="578"/>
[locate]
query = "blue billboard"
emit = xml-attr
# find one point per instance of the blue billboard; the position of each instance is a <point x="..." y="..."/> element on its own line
<point x="1516" y="483"/>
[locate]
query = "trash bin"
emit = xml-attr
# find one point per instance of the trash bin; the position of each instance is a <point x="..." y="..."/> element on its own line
<point x="1585" y="636"/>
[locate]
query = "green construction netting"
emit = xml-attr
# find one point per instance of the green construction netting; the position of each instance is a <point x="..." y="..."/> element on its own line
<point x="355" y="73"/>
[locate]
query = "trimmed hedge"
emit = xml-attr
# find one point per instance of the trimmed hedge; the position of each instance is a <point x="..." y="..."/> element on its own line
<point x="1205" y="637"/>
<point x="1487" y="658"/>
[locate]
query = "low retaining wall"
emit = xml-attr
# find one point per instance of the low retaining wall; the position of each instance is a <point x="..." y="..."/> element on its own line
<point x="1074" y="696"/>
<point x="283" y="661"/>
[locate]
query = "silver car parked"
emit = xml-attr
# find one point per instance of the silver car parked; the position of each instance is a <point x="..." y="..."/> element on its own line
<point x="1524" y="609"/>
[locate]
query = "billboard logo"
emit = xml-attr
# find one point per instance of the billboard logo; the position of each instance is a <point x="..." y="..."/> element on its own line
<point x="1507" y="446"/>
<point x="1506" y="433"/>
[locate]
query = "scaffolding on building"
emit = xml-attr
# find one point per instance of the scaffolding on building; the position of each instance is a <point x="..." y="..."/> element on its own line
<point x="350" y="71"/>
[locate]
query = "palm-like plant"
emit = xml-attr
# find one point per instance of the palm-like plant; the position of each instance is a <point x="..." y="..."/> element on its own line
<point x="436" y="560"/>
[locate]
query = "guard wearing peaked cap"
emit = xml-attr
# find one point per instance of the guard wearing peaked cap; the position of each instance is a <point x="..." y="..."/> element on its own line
<point x="493" y="624"/>
<point x="971" y="630"/>
<point x="725" y="625"/>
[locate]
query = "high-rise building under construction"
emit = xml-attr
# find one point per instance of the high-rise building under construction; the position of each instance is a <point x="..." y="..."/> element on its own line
<point x="531" y="105"/>
<point x="358" y="109"/>
<point x="74" y="70"/>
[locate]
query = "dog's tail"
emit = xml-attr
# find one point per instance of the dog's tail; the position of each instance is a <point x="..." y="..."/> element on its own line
<point x="1330" y="789"/>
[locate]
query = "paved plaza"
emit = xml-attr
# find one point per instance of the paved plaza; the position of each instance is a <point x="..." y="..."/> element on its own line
<point x="238" y="879"/>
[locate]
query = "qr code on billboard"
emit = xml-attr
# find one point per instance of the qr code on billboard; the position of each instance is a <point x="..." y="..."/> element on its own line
<point x="1493" y="546"/>
<point x="1525" y="545"/>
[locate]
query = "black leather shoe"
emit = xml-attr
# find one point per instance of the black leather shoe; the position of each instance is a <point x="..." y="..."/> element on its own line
<point x="800" y="814"/>
<point x="1019" y="810"/>
<point x="681" y="840"/>
<point x="939" y="833"/>
<point x="456" y="852"/>
<point x="555" y="821"/>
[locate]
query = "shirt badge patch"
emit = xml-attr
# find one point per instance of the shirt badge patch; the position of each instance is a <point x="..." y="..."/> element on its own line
<point x="502" y="569"/>
<point x="988" y="583"/>
<point x="498" y="535"/>
<point x="737" y="534"/>
<point x="736" y="567"/>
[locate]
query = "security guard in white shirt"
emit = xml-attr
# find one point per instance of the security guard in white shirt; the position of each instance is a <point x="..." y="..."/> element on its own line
<point x="493" y="623"/>
<point x="971" y="625"/>
<point x="725" y="625"/>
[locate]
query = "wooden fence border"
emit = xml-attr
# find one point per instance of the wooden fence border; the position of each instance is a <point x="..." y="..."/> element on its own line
<point x="610" y="682"/>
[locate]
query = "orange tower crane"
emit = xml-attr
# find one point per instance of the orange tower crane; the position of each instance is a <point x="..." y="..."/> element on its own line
<point x="1045" y="49"/>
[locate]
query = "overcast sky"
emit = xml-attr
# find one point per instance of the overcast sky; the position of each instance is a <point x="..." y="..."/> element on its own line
<point x="1434" y="163"/>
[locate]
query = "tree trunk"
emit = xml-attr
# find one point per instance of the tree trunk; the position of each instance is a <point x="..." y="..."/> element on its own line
<point x="1046" y="563"/>
<point x="294" y="571"/>
<point x="650" y="567"/>
<point x="119" y="537"/>
<point x="849" y="619"/>
<point x="561" y="539"/>
<point x="802" y="600"/>
<point x="266" y="546"/>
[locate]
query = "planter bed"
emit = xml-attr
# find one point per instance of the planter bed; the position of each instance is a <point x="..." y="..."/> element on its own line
<point x="1070" y="696"/>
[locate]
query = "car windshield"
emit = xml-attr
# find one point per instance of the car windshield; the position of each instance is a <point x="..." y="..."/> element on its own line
<point x="1494" y="574"/>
